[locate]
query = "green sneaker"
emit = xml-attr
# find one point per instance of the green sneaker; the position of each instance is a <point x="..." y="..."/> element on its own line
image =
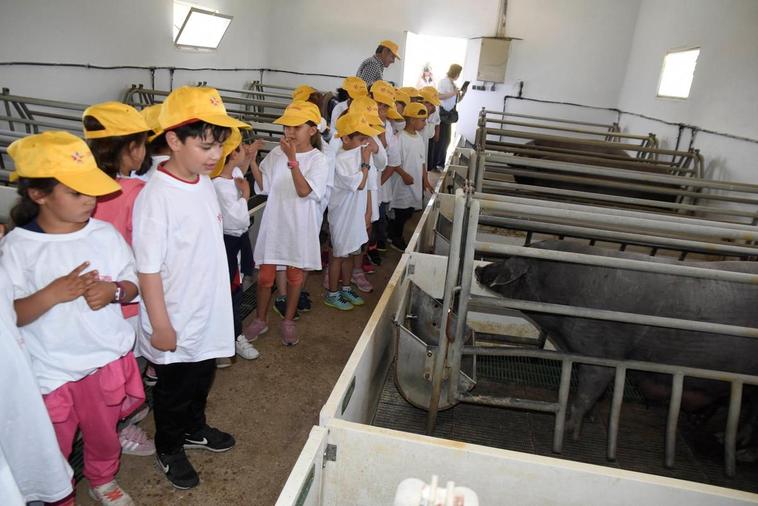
<point x="352" y="297"/>
<point x="338" y="301"/>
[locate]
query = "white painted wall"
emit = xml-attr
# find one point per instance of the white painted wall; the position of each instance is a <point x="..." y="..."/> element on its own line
<point x="117" y="32"/>
<point x="724" y="94"/>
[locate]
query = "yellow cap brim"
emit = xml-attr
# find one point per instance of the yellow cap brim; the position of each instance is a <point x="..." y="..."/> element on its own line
<point x="393" y="114"/>
<point x="153" y="134"/>
<point x="13" y="176"/>
<point x="363" y="129"/>
<point x="100" y="134"/>
<point x="223" y="120"/>
<point x="92" y="182"/>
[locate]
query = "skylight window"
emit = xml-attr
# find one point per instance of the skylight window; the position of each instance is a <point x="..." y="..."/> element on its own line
<point x="677" y="73"/>
<point x="200" y="28"/>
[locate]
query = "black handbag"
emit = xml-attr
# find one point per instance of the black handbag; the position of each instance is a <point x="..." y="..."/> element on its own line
<point x="449" y="116"/>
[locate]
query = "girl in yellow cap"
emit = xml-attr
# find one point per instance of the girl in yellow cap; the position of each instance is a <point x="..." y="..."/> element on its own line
<point x="70" y="275"/>
<point x="293" y="176"/>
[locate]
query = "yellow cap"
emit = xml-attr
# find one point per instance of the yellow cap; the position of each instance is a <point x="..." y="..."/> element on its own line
<point x="401" y="96"/>
<point x="355" y="87"/>
<point x="383" y="86"/>
<point x="230" y="144"/>
<point x="303" y="92"/>
<point x="150" y="115"/>
<point x="355" y="122"/>
<point x="298" y="113"/>
<point x="391" y="46"/>
<point x="415" y="110"/>
<point x="117" y="119"/>
<point x="429" y="94"/>
<point x="410" y="91"/>
<point x="62" y="156"/>
<point x="195" y="103"/>
<point x="382" y="97"/>
<point x="367" y="107"/>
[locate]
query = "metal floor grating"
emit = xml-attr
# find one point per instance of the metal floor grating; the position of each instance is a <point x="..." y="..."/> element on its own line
<point x="640" y="439"/>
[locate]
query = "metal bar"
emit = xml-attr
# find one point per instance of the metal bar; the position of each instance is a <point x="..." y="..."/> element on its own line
<point x="604" y="197"/>
<point x="615" y="414"/>
<point x="509" y="402"/>
<point x="585" y="123"/>
<point x="732" y="421"/>
<point x="560" y="415"/>
<point x="707" y="248"/>
<point x="602" y="133"/>
<point x="43" y="102"/>
<point x="630" y="365"/>
<point x="627" y="174"/>
<point x="489" y="304"/>
<point x="453" y="264"/>
<point x="663" y="223"/>
<point x="675" y="404"/>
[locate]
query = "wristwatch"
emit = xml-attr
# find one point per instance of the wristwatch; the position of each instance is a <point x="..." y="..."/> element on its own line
<point x="365" y="165"/>
<point x="120" y="294"/>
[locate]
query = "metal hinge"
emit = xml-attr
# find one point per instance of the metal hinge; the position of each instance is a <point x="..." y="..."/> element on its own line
<point x="411" y="269"/>
<point x="330" y="454"/>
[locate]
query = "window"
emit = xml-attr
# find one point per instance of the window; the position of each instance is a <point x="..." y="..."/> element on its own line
<point x="677" y="73"/>
<point x="197" y="27"/>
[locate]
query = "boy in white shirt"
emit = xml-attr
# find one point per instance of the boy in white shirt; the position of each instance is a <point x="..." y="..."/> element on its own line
<point x="409" y="180"/>
<point x="432" y="128"/>
<point x="186" y="304"/>
<point x="233" y="192"/>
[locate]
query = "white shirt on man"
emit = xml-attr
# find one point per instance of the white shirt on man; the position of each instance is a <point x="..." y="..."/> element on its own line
<point x="70" y="340"/>
<point x="178" y="233"/>
<point x="290" y="224"/>
<point x="413" y="156"/>
<point x="234" y="213"/>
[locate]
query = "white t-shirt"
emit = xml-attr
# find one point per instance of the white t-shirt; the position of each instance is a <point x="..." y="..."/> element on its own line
<point x="374" y="184"/>
<point x="155" y="160"/>
<point x="70" y="340"/>
<point x="178" y="233"/>
<point x="393" y="158"/>
<point x="234" y="213"/>
<point x="431" y="123"/>
<point x="336" y="113"/>
<point x="412" y="155"/>
<point x="290" y="224"/>
<point x="347" y="204"/>
<point x="446" y="86"/>
<point x="330" y="152"/>
<point x="32" y="467"/>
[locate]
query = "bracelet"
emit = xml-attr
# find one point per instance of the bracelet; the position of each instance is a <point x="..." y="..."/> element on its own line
<point x="292" y="164"/>
<point x="365" y="165"/>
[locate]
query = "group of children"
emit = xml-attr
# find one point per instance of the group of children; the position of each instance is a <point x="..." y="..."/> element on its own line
<point x="157" y="273"/>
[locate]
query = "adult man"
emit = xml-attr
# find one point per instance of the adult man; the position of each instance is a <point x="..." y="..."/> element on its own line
<point x="372" y="68"/>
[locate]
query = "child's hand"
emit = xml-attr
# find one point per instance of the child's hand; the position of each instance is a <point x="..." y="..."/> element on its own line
<point x="372" y="147"/>
<point x="407" y="178"/>
<point x="254" y="148"/>
<point x="100" y="294"/>
<point x="164" y="339"/>
<point x="243" y="187"/>
<point x="288" y="148"/>
<point x="72" y="285"/>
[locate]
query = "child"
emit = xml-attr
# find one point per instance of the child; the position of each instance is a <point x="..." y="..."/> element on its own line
<point x="116" y="135"/>
<point x="355" y="87"/>
<point x="158" y="150"/>
<point x="70" y="319"/>
<point x="293" y="175"/>
<point x="431" y="131"/>
<point x="186" y="304"/>
<point x="410" y="179"/>
<point x="233" y="192"/>
<point x="348" y="202"/>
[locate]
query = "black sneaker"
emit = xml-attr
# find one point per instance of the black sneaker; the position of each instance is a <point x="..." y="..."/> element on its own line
<point x="178" y="469"/>
<point x="304" y="303"/>
<point x="209" y="439"/>
<point x="399" y="244"/>
<point x="381" y="246"/>
<point x="280" y="307"/>
<point x="373" y="256"/>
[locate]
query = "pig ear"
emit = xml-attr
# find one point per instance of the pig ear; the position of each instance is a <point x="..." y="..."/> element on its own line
<point x="502" y="273"/>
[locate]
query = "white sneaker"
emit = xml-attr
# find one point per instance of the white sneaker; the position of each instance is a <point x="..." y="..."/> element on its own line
<point x="245" y="349"/>
<point x="111" y="493"/>
<point x="223" y="362"/>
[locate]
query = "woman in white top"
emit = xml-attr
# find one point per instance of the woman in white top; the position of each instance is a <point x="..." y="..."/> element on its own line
<point x="449" y="95"/>
<point x="293" y="176"/>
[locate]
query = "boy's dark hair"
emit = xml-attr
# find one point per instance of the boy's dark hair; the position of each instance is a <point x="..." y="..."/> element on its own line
<point x="342" y="94"/>
<point x="26" y="209"/>
<point x="107" y="150"/>
<point x="200" y="128"/>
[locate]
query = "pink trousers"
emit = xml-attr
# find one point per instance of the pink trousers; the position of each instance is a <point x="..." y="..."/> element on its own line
<point x="95" y="404"/>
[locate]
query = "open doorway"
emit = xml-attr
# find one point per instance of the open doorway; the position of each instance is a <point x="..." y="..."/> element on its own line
<point x="436" y="53"/>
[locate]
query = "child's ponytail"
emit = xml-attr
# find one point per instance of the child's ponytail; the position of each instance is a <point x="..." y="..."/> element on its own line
<point x="316" y="140"/>
<point x="26" y="209"/>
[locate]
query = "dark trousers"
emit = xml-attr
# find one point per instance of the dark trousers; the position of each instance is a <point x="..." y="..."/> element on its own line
<point x="247" y="264"/>
<point x="380" y="226"/>
<point x="440" y="148"/>
<point x="431" y="154"/>
<point x="398" y="223"/>
<point x="179" y="399"/>
<point x="233" y="246"/>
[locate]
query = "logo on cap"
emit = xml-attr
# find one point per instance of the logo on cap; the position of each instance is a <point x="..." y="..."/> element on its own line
<point x="215" y="102"/>
<point x="77" y="157"/>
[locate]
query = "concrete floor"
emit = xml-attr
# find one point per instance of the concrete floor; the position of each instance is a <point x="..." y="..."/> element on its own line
<point x="268" y="404"/>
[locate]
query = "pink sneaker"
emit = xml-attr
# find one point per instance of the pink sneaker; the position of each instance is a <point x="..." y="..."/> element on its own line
<point x="134" y="441"/>
<point x="111" y="493"/>
<point x="255" y="329"/>
<point x="289" y="337"/>
<point x="363" y="284"/>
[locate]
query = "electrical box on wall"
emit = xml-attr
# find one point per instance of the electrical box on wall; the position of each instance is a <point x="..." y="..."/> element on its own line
<point x="489" y="55"/>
